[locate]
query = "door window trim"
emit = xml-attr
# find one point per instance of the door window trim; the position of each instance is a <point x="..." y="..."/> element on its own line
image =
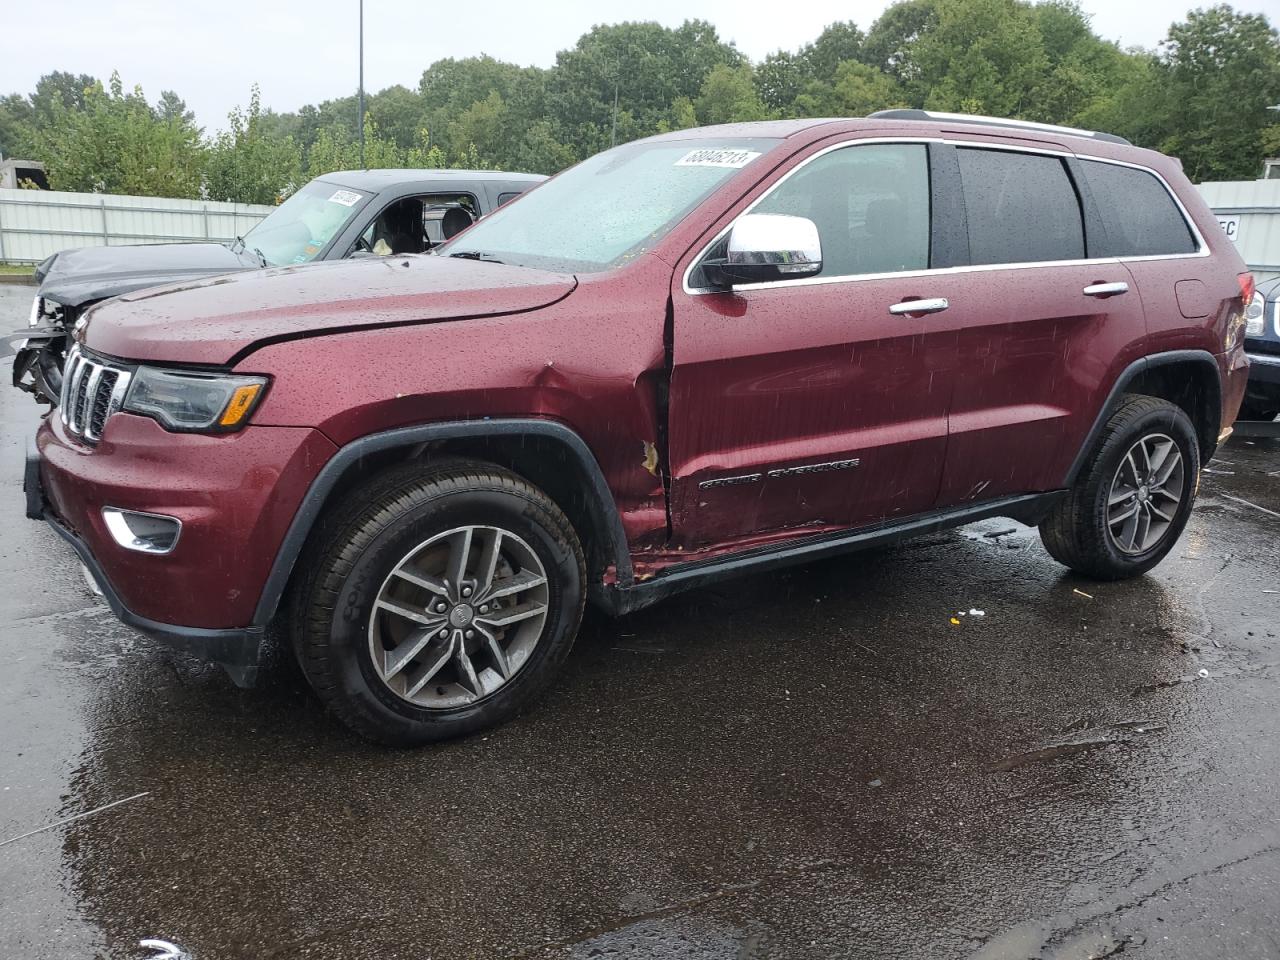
<point x="1202" y="248"/>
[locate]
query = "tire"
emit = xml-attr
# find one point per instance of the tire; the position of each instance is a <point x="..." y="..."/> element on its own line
<point x="356" y="644"/>
<point x="1083" y="531"/>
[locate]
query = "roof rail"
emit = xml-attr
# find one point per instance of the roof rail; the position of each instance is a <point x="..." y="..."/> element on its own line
<point x="996" y="122"/>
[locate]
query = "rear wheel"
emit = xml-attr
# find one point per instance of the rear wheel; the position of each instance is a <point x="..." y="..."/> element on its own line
<point x="1133" y="498"/>
<point x="440" y="603"/>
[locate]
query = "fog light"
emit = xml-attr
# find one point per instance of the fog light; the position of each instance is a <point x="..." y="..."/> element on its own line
<point x="144" y="532"/>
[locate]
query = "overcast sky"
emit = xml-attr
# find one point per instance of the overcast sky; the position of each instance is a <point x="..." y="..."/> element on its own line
<point x="305" y="52"/>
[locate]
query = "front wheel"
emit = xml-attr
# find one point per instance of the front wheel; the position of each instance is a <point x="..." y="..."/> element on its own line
<point x="442" y="601"/>
<point x="1133" y="498"/>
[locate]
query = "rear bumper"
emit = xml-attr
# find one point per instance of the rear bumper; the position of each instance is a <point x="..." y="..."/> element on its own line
<point x="237" y="650"/>
<point x="1264" y="368"/>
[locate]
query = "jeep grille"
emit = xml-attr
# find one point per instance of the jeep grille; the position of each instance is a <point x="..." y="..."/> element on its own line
<point x="92" y="390"/>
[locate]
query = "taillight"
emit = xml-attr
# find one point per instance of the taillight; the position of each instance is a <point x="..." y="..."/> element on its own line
<point x="1247" y="287"/>
<point x="1249" y="322"/>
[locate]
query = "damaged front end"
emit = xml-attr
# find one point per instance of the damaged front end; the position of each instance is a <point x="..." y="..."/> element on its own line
<point x="40" y="351"/>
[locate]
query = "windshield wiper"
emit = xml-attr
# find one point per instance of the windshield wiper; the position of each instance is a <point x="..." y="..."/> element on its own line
<point x="475" y="255"/>
<point x="238" y="245"/>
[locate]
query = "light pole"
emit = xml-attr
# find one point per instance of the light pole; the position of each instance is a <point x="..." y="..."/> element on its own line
<point x="360" y="118"/>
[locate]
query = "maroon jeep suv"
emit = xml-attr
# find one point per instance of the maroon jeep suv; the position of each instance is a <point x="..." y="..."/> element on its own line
<point x="707" y="353"/>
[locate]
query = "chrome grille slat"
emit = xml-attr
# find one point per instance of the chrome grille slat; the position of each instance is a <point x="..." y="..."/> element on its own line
<point x="92" y="391"/>
<point x="84" y="399"/>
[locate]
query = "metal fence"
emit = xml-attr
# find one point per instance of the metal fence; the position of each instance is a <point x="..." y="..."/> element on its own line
<point x="1249" y="211"/>
<point x="37" y="223"/>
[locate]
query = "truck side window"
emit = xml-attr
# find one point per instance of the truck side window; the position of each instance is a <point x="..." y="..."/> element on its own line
<point x="1137" y="212"/>
<point x="870" y="204"/>
<point x="1021" y="207"/>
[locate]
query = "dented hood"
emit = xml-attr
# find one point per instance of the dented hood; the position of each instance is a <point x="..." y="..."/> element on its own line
<point x="83" y="275"/>
<point x="219" y="320"/>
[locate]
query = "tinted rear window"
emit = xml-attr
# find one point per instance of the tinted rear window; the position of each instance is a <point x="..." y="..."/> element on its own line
<point x="1137" y="212"/>
<point x="1021" y="207"/>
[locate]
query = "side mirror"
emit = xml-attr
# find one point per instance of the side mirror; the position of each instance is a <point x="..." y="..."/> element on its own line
<point x="767" y="246"/>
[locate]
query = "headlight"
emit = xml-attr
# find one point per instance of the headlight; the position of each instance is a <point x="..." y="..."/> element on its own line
<point x="1254" y="326"/>
<point x="194" y="402"/>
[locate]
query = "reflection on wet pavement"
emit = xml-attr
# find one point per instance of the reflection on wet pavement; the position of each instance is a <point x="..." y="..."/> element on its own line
<point x="816" y="763"/>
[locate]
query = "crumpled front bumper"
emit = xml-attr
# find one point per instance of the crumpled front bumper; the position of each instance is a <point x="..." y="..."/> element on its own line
<point x="38" y="361"/>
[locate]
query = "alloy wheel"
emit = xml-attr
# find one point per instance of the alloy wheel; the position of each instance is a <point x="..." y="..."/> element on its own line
<point x="1145" y="494"/>
<point x="458" y="616"/>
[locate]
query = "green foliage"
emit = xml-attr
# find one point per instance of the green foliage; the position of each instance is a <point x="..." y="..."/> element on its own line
<point x="855" y="91"/>
<point x="728" y="95"/>
<point x="1201" y="96"/>
<point x="247" y="164"/>
<point x="114" y="142"/>
<point x="1220" y="71"/>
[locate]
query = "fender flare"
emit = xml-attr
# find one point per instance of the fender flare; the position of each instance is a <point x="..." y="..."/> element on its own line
<point x="603" y="509"/>
<point x="1131" y="373"/>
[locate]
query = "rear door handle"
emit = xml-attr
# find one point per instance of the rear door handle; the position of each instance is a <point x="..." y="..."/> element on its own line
<point x="1106" y="289"/>
<point x="913" y="307"/>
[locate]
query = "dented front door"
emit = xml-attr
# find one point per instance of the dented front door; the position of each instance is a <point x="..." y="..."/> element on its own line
<point x="808" y="404"/>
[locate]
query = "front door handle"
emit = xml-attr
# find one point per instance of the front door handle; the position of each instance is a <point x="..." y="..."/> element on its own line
<point x="910" y="308"/>
<point x="1106" y="289"/>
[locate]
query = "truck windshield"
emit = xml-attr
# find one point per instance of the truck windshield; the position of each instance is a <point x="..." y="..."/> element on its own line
<point x="609" y="209"/>
<point x="302" y="226"/>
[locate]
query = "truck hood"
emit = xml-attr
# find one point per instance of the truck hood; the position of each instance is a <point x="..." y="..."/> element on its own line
<point x="218" y="321"/>
<point x="80" y="276"/>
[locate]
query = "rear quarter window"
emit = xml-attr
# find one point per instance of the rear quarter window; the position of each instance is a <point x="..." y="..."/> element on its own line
<point x="1139" y="216"/>
<point x="1021" y="207"/>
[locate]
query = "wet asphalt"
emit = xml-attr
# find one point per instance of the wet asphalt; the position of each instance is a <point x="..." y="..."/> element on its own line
<point x="812" y="764"/>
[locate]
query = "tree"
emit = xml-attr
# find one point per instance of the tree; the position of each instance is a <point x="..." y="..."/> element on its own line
<point x="400" y="113"/>
<point x="16" y="131"/>
<point x="115" y="143"/>
<point x="540" y="152"/>
<point x="248" y="165"/>
<point x="857" y="90"/>
<point x="891" y="39"/>
<point x="779" y="79"/>
<point x="172" y="108"/>
<point x="839" y="42"/>
<point x="979" y="56"/>
<point x="728" y="95"/>
<point x="68" y="89"/>
<point x="482" y="127"/>
<point x="1220" y="70"/>
<point x="648" y="65"/>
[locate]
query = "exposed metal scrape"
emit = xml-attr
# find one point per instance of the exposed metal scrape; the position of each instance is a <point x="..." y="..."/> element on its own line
<point x="651" y="458"/>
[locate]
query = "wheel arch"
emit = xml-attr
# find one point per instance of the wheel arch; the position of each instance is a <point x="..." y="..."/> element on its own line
<point x="1189" y="379"/>
<point x="547" y="453"/>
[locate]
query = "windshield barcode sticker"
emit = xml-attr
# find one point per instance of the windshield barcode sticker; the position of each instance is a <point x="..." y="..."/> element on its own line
<point x="348" y="198"/>
<point x="717" y="157"/>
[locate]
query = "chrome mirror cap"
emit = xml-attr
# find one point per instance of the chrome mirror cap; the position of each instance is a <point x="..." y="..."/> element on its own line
<point x="767" y="246"/>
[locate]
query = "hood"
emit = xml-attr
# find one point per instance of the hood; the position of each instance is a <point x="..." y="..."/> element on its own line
<point x="76" y="277"/>
<point x="214" y="321"/>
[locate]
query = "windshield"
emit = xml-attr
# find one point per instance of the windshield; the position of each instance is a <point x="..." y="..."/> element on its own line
<point x="302" y="226"/>
<point x="608" y="209"/>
